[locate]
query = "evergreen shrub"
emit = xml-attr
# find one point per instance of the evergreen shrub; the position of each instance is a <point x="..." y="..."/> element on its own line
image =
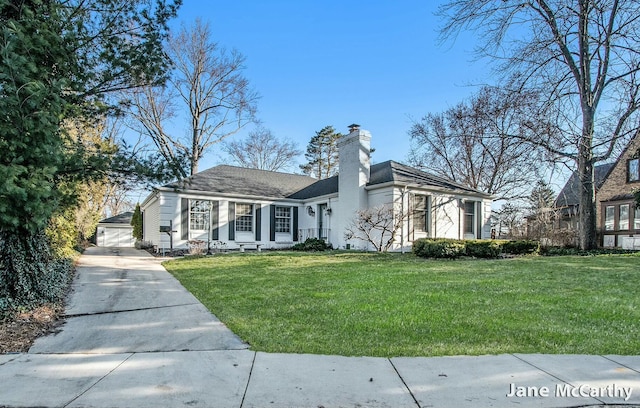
<point x="439" y="248"/>
<point x="483" y="248"/>
<point x="312" y="245"/>
<point x="453" y="248"/>
<point x="521" y="247"/>
<point x="30" y="273"/>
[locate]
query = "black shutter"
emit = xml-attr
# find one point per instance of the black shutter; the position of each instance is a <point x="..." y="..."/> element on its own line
<point x="232" y="221"/>
<point x="258" y="222"/>
<point x="215" y="219"/>
<point x="185" y="218"/>
<point x="272" y="223"/>
<point x="479" y="219"/>
<point x="295" y="224"/>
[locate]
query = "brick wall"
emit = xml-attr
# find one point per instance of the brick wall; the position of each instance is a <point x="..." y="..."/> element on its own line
<point x="616" y="192"/>
<point x="616" y="184"/>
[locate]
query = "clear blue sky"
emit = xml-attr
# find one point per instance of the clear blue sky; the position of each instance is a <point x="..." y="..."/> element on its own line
<point x="319" y="63"/>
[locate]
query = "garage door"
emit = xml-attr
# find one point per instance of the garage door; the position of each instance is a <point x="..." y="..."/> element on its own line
<point x="115" y="237"/>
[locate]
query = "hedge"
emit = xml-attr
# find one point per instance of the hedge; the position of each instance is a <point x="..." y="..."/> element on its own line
<point x="453" y="248"/>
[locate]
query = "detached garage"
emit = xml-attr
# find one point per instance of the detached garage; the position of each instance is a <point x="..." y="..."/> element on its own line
<point x="116" y="231"/>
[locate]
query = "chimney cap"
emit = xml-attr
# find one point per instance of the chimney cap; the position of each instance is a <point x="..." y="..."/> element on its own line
<point x="353" y="127"/>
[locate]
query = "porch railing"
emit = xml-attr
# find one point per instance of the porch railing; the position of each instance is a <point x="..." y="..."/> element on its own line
<point x="320" y="233"/>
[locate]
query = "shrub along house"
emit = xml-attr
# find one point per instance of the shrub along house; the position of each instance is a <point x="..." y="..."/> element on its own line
<point x="248" y="208"/>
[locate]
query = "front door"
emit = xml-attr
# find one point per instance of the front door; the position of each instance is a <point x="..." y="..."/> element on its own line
<point x="322" y="230"/>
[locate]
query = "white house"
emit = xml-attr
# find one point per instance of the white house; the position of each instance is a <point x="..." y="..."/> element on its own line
<point x="248" y="208"/>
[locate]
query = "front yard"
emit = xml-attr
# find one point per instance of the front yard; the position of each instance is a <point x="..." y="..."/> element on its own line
<point x="371" y="304"/>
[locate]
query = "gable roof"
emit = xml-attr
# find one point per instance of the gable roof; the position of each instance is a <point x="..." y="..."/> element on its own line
<point x="225" y="179"/>
<point x="387" y="172"/>
<point x="124" y="218"/>
<point x="570" y="194"/>
<point x="391" y="171"/>
<point x="232" y="180"/>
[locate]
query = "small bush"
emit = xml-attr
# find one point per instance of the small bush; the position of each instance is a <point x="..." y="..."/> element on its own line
<point x="312" y="245"/>
<point x="521" y="247"/>
<point x="483" y="248"/>
<point x="145" y="245"/>
<point x="439" y="248"/>
<point x="197" y="247"/>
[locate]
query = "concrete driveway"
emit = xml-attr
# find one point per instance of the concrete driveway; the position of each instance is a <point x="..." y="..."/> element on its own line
<point x="134" y="337"/>
<point x="124" y="301"/>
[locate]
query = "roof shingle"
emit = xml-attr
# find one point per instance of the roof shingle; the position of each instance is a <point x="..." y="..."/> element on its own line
<point x="226" y="179"/>
<point x="124" y="218"/>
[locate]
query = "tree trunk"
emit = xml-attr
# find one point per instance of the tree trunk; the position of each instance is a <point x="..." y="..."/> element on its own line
<point x="587" y="208"/>
<point x="195" y="149"/>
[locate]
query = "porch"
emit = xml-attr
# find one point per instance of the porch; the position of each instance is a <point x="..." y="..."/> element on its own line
<point x="319" y="233"/>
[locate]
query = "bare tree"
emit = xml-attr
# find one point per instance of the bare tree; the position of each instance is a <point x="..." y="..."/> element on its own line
<point x="377" y="226"/>
<point x="471" y="143"/>
<point x="152" y="108"/>
<point x="262" y="150"/>
<point x="510" y="222"/>
<point x="584" y="55"/>
<point x="207" y="84"/>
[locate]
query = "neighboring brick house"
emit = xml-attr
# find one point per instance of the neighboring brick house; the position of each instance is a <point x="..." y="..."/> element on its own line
<point x="617" y="219"/>
<point x="569" y="199"/>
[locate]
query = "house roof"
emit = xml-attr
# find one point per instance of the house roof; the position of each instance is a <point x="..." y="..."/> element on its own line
<point x="317" y="189"/>
<point x="234" y="180"/>
<point x="391" y="171"/>
<point x="570" y="194"/>
<point x="386" y="172"/>
<point x="226" y="179"/>
<point x="123" y="218"/>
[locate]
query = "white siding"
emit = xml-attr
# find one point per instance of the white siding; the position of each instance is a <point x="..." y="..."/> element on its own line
<point x="151" y="221"/>
<point x="170" y="216"/>
<point x="446" y="217"/>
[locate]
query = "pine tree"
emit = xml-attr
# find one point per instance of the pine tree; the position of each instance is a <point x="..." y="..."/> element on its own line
<point x="542" y="197"/>
<point x="541" y="205"/>
<point x="322" y="154"/>
<point x="136" y="222"/>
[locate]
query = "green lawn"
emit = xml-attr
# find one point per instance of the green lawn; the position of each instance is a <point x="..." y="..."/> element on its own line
<point x="400" y="305"/>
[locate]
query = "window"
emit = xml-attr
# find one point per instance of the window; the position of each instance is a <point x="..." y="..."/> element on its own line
<point x="633" y="170"/>
<point x="420" y="213"/>
<point x="283" y="219"/>
<point x="199" y="211"/>
<point x="244" y="217"/>
<point x="623" y="217"/>
<point x="609" y="217"/>
<point x="469" y="217"/>
<point x="636" y="222"/>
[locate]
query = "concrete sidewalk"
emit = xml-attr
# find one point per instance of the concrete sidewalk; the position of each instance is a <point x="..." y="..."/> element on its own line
<point x="134" y="337"/>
